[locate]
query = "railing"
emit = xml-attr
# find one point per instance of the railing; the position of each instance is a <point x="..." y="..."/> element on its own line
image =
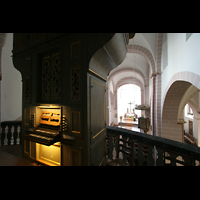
<point x="10" y="133"/>
<point x="149" y="150"/>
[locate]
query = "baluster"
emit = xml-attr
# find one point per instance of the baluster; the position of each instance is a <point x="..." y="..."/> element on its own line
<point x="129" y="157"/>
<point x="136" y="152"/>
<point x="140" y="155"/>
<point x="159" y="156"/>
<point x="173" y="157"/>
<point x="6" y="137"/>
<point x="120" y="153"/>
<point x="9" y="134"/>
<point x="110" y="156"/>
<point x="12" y="131"/>
<point x="132" y="152"/>
<point x="124" y="143"/>
<point x="15" y="134"/>
<point x="114" y="147"/>
<point x="20" y="133"/>
<point x="117" y="145"/>
<point x="3" y="134"/>
<point x="145" y="152"/>
<point x="155" y="156"/>
<point x="150" y="157"/>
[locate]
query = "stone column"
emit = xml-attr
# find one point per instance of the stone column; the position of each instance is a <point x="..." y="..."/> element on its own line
<point x="115" y="108"/>
<point x="107" y="103"/>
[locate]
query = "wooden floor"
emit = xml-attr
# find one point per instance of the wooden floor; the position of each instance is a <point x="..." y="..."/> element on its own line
<point x="11" y="156"/>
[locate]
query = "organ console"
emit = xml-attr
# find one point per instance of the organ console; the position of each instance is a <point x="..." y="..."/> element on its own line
<point x="48" y="131"/>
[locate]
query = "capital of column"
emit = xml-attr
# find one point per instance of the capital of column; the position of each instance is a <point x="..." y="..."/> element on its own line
<point x="153" y="75"/>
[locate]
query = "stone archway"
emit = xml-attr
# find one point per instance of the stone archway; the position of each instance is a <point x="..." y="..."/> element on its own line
<point x="170" y="128"/>
<point x="137" y="78"/>
<point x="172" y="98"/>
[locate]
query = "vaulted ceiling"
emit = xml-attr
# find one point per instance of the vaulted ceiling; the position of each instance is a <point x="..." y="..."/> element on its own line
<point x="139" y="62"/>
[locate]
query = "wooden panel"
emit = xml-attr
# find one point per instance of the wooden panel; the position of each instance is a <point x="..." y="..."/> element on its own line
<point x="75" y="50"/>
<point x="75" y="84"/>
<point x="26" y="147"/>
<point x="76" y="127"/>
<point x="96" y="118"/>
<point x="75" y="158"/>
<point x="27" y="89"/>
<point x="32" y="150"/>
<point x="27" y="116"/>
<point x="56" y="74"/>
<point x="46" y="77"/>
<point x="37" y="36"/>
<point x="97" y="152"/>
<point x="20" y="40"/>
<point x="28" y="64"/>
<point x="97" y="107"/>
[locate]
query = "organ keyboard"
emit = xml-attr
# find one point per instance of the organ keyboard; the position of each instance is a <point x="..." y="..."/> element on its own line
<point x="48" y="131"/>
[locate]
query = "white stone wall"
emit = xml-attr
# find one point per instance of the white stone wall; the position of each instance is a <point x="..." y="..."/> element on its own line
<point x="11" y="85"/>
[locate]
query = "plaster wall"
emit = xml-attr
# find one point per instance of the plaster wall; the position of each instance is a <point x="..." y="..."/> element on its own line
<point x="11" y="85"/>
<point x="183" y="55"/>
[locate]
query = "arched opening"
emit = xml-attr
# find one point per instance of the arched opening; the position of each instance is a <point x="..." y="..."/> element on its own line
<point x="128" y="96"/>
<point x="171" y="127"/>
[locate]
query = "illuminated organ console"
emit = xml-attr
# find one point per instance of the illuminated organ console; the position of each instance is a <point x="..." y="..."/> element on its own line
<point x="46" y="134"/>
<point x="64" y="94"/>
<point x="48" y="131"/>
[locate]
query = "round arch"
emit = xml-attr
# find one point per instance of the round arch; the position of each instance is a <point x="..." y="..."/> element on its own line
<point x="130" y="80"/>
<point x="187" y="76"/>
<point x="191" y="92"/>
<point x="130" y="70"/>
<point x="170" y="128"/>
<point x="172" y="106"/>
<point x="144" y="52"/>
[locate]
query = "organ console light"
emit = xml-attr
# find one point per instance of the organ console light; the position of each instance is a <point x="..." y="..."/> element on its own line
<point x="48" y="134"/>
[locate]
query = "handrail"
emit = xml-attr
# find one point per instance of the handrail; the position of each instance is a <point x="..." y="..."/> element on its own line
<point x="10" y="132"/>
<point x="157" y="145"/>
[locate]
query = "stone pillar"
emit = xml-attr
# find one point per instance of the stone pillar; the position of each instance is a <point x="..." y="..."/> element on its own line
<point x="115" y="108"/>
<point x="142" y="101"/>
<point x="156" y="103"/>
